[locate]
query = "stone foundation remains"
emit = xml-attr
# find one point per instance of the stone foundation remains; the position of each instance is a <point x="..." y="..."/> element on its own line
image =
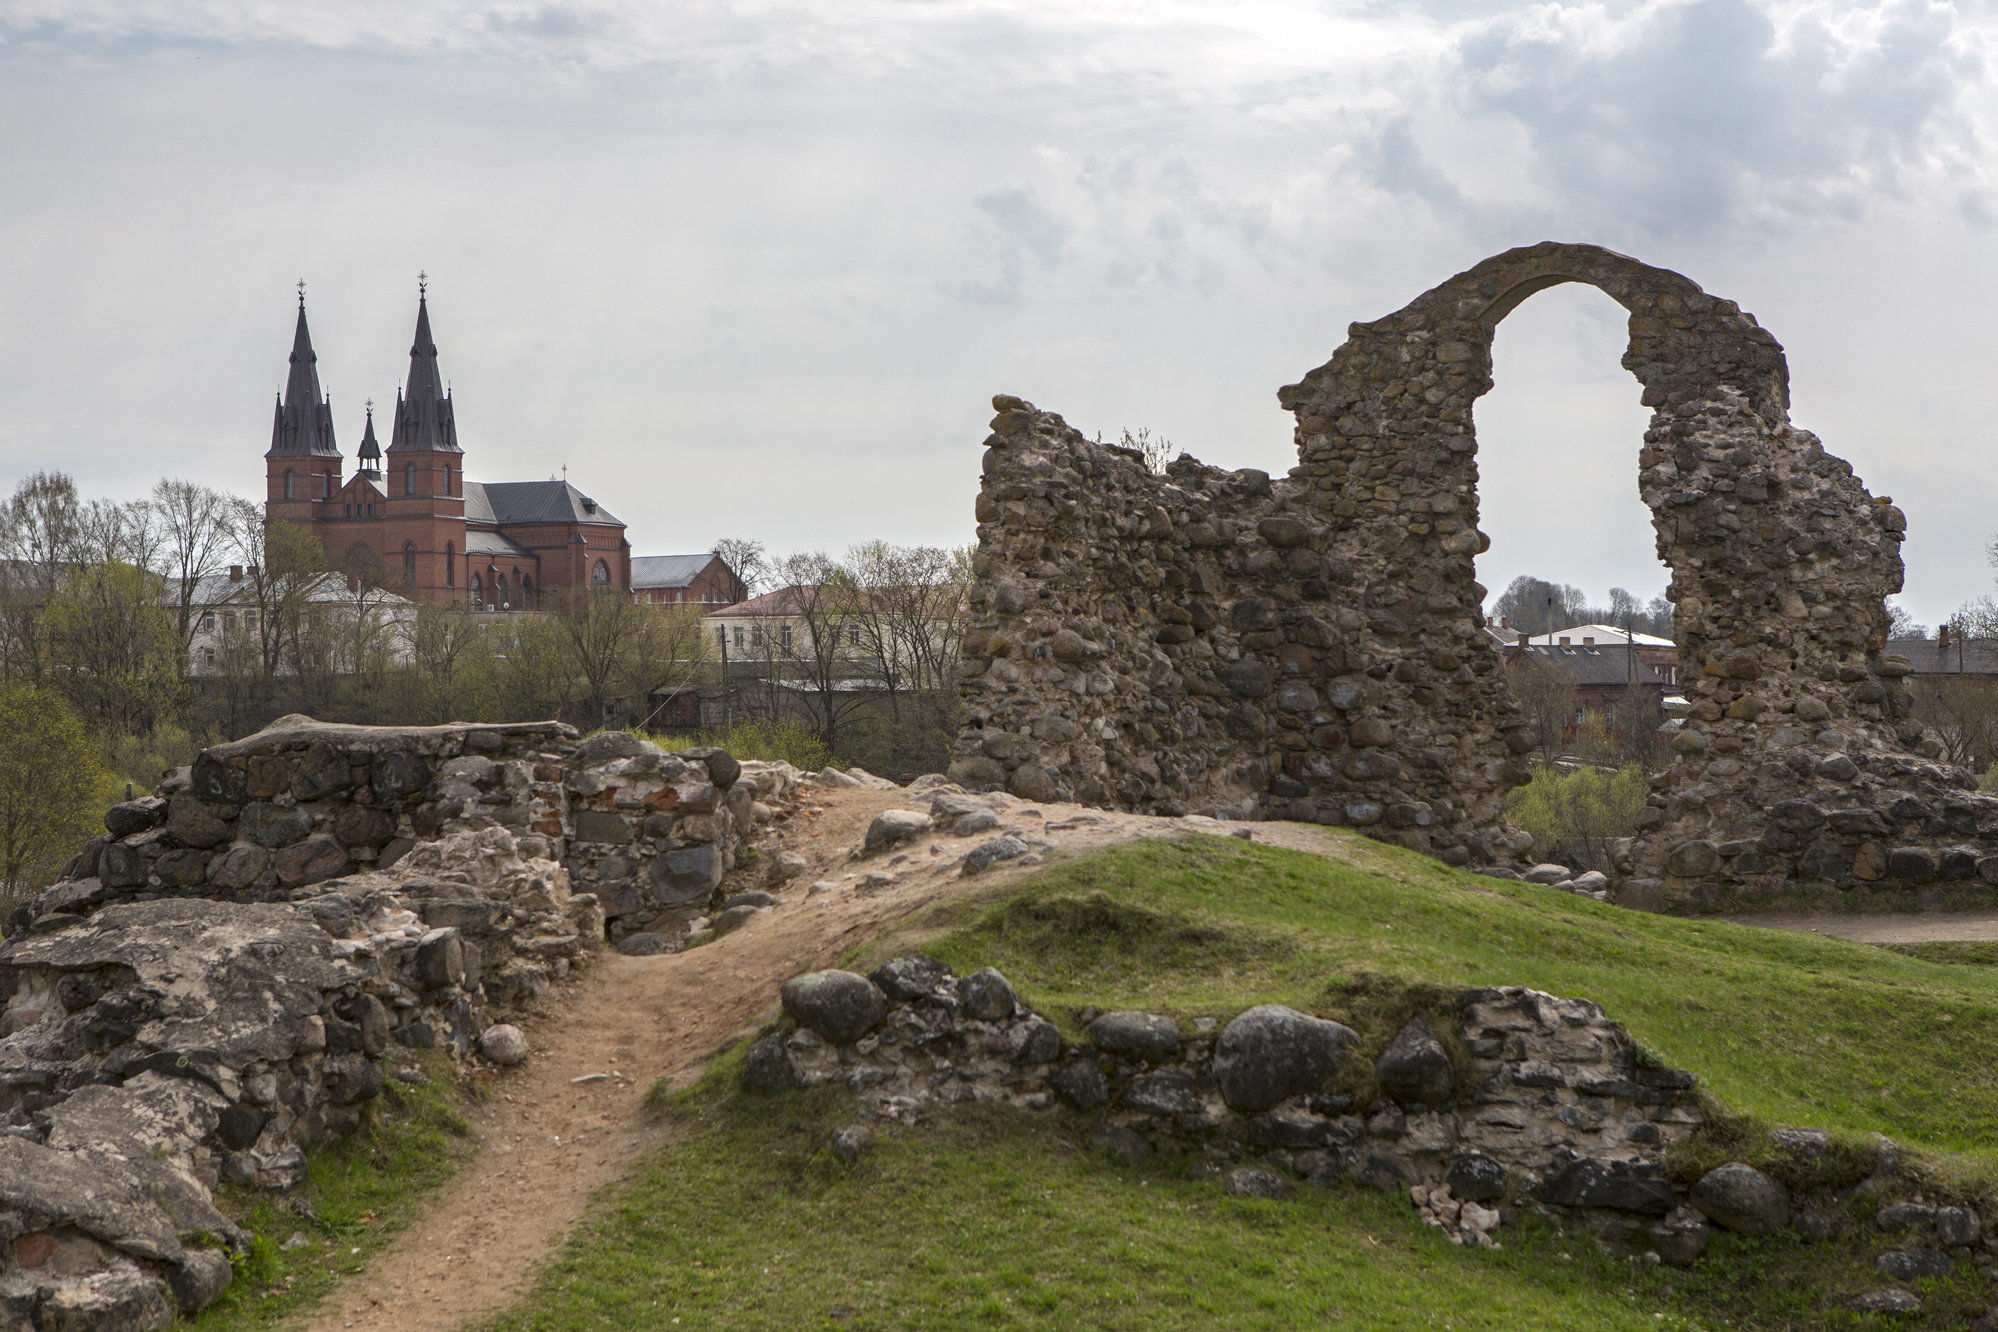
<point x="1312" y="647"/>
<point x="1516" y="1101"/>
<point x="236" y="970"/>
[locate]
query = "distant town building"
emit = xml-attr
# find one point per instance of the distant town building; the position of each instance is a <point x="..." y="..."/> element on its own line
<point x="338" y="618"/>
<point x="1948" y="653"/>
<point x="409" y="516"/>
<point x="704" y="579"/>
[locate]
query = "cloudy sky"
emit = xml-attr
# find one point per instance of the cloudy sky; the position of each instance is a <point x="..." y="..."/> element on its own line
<point x="757" y="268"/>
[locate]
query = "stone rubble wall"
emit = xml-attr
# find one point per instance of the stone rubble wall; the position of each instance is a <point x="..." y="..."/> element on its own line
<point x="233" y="972"/>
<point x="1312" y="647"/>
<point x="1524" y="1102"/>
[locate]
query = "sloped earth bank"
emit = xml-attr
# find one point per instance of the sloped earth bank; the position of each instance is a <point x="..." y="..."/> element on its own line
<point x="572" y="1119"/>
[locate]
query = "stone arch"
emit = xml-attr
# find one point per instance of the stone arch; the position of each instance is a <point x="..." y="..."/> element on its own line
<point x="1312" y="647"/>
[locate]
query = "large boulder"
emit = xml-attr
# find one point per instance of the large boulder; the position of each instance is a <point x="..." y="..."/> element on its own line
<point x="839" y="1005"/>
<point x="1741" y="1198"/>
<point x="1271" y="1053"/>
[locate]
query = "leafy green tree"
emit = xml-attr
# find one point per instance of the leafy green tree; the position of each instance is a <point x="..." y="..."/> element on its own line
<point x="114" y="648"/>
<point x="51" y="785"/>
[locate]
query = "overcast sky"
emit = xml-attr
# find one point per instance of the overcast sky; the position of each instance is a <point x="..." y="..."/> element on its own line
<point x="756" y="269"/>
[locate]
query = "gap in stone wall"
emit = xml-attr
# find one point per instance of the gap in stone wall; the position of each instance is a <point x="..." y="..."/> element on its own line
<point x="1558" y="441"/>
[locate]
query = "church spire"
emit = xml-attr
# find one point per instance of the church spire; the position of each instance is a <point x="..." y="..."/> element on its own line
<point x="370" y="457"/>
<point x="424" y="421"/>
<point x="304" y="423"/>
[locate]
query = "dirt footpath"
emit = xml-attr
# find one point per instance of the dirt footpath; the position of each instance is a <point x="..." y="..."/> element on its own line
<point x="1885" y="927"/>
<point x="548" y="1142"/>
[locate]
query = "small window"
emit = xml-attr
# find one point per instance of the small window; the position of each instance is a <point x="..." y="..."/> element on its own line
<point x="756" y="635"/>
<point x="785" y="637"/>
<point x="288" y="484"/>
<point x="208" y="655"/>
<point x="450" y="564"/>
<point x="409" y="478"/>
<point x="600" y="574"/>
<point x="738" y="638"/>
<point x="409" y="561"/>
<point x="249" y="619"/>
<point x="208" y="621"/>
<point x="228" y="619"/>
<point x="853" y="635"/>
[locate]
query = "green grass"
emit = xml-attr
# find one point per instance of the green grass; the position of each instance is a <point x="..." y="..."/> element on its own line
<point x="359" y="1193"/>
<point x="986" y="1217"/>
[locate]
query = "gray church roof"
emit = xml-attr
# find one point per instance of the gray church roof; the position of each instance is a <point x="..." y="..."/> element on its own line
<point x="668" y="570"/>
<point x="504" y="502"/>
<point x="481" y="542"/>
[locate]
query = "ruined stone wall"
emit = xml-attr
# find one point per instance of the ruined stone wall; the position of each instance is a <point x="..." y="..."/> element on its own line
<point x="1311" y="648"/>
<point x="236" y="971"/>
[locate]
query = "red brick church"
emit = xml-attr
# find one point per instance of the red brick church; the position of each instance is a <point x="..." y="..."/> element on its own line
<point x="411" y="514"/>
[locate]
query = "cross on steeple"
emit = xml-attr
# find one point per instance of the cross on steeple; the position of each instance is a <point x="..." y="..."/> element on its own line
<point x="422" y="282"/>
<point x="301" y="293"/>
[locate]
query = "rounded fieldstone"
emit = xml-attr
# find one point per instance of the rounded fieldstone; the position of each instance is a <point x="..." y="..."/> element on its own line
<point x="1888" y="1301"/>
<point x="197" y="1281"/>
<point x="986" y="996"/>
<point x="1270" y="1053"/>
<point x="769" y="1068"/>
<point x="1082" y="1084"/>
<point x="1914" y="1264"/>
<point x="1246" y="1182"/>
<point x="850" y="1141"/>
<point x="893" y="827"/>
<point x="503" y="1043"/>
<point x="1475" y="1177"/>
<point x="838" y="1005"/>
<point x="1146" y="1036"/>
<point x="645" y="943"/>
<point x="1691" y="860"/>
<point x="1957" y="1226"/>
<point x="1415" y="1069"/>
<point x="732" y="919"/>
<point x="906" y="978"/>
<point x="1741" y="1198"/>
<point x="987" y="854"/>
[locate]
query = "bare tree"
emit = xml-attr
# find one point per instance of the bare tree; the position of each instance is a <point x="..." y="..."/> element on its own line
<point x="748" y="561"/>
<point x="195" y="525"/>
<point x="1547" y="691"/>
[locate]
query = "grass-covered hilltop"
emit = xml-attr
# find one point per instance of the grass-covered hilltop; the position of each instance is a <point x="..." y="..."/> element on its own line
<point x="988" y="1215"/>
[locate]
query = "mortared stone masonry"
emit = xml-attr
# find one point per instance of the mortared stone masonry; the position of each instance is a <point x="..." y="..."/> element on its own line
<point x="1311" y="647"/>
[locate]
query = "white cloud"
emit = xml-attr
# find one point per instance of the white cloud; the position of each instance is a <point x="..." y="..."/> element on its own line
<point x="757" y="266"/>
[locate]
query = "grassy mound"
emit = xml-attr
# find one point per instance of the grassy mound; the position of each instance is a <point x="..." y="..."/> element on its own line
<point x="986" y="1217"/>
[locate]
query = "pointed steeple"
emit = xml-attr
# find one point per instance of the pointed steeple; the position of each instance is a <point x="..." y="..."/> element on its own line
<point x="304" y="423"/>
<point x="424" y="421"/>
<point x="370" y="456"/>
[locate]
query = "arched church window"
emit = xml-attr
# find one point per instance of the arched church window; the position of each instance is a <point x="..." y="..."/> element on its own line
<point x="288" y="484"/>
<point x="409" y="478"/>
<point x="409" y="561"/>
<point x="450" y="564"/>
<point x="600" y="574"/>
<point x="526" y="592"/>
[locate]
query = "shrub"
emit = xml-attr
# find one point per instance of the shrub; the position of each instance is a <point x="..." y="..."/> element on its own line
<point x="1575" y="814"/>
